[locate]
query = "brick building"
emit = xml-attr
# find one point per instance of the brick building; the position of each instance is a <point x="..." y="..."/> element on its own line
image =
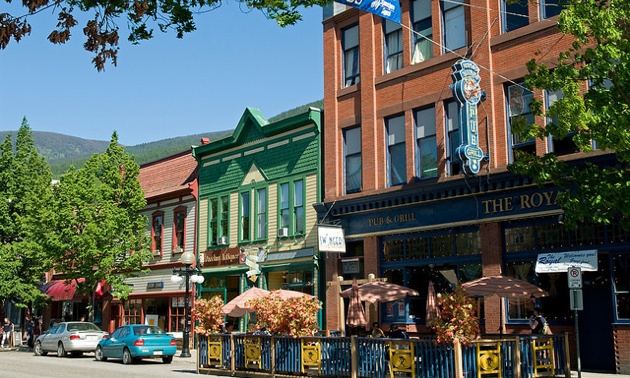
<point x="421" y="187"/>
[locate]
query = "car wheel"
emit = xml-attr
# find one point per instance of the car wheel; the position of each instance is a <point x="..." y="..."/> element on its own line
<point x="167" y="359"/>
<point x="61" y="351"/>
<point x="127" y="359"/>
<point x="98" y="354"/>
<point x="39" y="351"/>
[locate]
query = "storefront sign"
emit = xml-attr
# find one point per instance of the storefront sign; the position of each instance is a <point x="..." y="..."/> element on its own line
<point x="222" y="257"/>
<point x="536" y="200"/>
<point x="468" y="93"/>
<point x="155" y="285"/>
<point x="288" y="255"/>
<point x="331" y="239"/>
<point x="561" y="262"/>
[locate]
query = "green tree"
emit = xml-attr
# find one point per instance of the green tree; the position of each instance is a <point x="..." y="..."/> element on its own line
<point x="98" y="234"/>
<point x="102" y="30"/>
<point x="25" y="192"/>
<point x="594" y="79"/>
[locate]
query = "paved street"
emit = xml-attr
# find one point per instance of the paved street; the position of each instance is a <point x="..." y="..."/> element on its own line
<point x="23" y="364"/>
<point x="16" y="363"/>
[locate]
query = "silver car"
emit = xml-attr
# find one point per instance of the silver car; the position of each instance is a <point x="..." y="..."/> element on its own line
<point x="69" y="337"/>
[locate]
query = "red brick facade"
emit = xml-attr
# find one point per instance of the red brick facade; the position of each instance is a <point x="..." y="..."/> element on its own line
<point x="501" y="57"/>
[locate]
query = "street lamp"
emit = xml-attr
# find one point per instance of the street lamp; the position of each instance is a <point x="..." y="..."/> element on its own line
<point x="190" y="274"/>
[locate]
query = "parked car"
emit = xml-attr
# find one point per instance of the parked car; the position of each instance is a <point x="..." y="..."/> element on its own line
<point x="136" y="341"/>
<point x="69" y="337"/>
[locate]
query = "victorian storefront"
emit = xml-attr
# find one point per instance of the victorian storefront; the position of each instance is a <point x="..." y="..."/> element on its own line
<point x="255" y="225"/>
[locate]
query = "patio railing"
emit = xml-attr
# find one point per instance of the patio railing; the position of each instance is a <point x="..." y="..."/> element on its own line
<point x="522" y="356"/>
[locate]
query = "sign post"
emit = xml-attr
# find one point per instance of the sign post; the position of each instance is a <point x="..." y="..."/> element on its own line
<point x="574" y="275"/>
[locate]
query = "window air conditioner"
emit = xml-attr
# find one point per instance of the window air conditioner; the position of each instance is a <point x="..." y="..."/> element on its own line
<point x="283" y="232"/>
<point x="222" y="240"/>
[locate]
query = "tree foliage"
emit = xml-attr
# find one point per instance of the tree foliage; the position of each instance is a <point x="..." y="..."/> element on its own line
<point x="141" y="16"/>
<point x="594" y="78"/>
<point x="25" y="191"/>
<point x="97" y="233"/>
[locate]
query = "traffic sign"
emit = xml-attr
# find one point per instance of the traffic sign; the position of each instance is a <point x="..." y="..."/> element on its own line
<point x="576" y="299"/>
<point x="574" y="274"/>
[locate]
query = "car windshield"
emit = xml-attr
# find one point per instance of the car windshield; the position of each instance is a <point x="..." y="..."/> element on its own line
<point x="83" y="326"/>
<point x="148" y="330"/>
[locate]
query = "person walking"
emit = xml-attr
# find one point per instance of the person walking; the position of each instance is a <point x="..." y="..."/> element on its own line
<point x="29" y="326"/>
<point x="7" y="331"/>
<point x="537" y="322"/>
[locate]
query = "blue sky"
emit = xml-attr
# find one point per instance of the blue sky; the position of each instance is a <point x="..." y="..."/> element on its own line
<point x="165" y="87"/>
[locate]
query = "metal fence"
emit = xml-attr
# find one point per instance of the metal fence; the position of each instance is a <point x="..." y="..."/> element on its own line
<point x="521" y="356"/>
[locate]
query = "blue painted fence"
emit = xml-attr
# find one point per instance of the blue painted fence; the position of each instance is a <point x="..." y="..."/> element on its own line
<point x="358" y="357"/>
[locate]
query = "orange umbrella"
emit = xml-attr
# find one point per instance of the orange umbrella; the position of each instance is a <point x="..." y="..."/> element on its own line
<point x="504" y="287"/>
<point x="432" y="309"/>
<point x="286" y="294"/>
<point x="378" y="291"/>
<point x="356" y="312"/>
<point x="237" y="307"/>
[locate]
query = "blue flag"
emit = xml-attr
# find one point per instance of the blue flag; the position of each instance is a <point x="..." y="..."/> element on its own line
<point x="389" y="9"/>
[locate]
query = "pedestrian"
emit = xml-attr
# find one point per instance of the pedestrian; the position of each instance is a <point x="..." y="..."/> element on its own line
<point x="29" y="326"/>
<point x="229" y="327"/>
<point x="537" y="322"/>
<point x="7" y="331"/>
<point x="377" y="332"/>
<point x="397" y="333"/>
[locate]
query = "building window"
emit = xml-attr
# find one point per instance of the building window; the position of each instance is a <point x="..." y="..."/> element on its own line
<point x="133" y="311"/>
<point x="393" y="46"/>
<point x="350" y="43"/>
<point x="559" y="146"/>
<point x="298" y="207"/>
<point x="454" y="24"/>
<point x="426" y="146"/>
<point x="179" y="231"/>
<point x="177" y="318"/>
<point x="218" y="217"/>
<point x="292" y="210"/>
<point x="454" y="138"/>
<point x="515" y="14"/>
<point x="352" y="153"/>
<point x="261" y="213"/>
<point x="157" y="232"/>
<point x="621" y="276"/>
<point x="423" y="31"/>
<point x="245" y="210"/>
<point x="519" y="115"/>
<point x="396" y="150"/>
<point x="550" y="8"/>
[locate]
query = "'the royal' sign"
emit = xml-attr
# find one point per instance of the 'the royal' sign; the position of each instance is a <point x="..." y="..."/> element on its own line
<point x="468" y="93"/>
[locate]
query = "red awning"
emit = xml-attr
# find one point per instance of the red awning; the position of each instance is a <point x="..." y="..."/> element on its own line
<point x="59" y="290"/>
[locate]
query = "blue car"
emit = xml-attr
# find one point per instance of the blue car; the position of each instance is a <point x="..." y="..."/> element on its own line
<point x="137" y="341"/>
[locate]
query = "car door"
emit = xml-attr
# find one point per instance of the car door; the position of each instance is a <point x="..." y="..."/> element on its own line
<point x="115" y="345"/>
<point x="48" y="342"/>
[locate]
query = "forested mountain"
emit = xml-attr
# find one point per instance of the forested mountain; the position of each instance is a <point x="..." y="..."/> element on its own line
<point x="62" y="151"/>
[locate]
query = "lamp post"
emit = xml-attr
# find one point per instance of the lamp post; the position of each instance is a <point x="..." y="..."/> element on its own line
<point x="190" y="274"/>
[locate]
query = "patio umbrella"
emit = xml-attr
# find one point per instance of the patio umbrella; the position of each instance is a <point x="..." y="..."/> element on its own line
<point x="356" y="312"/>
<point x="237" y="306"/>
<point x="433" y="312"/>
<point x="378" y="291"/>
<point x="503" y="287"/>
<point x="286" y="294"/>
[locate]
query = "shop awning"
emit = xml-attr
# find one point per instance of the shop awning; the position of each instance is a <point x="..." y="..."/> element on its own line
<point x="59" y="290"/>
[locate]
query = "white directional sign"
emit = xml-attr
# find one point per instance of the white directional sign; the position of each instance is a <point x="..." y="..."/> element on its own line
<point x="574" y="274"/>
